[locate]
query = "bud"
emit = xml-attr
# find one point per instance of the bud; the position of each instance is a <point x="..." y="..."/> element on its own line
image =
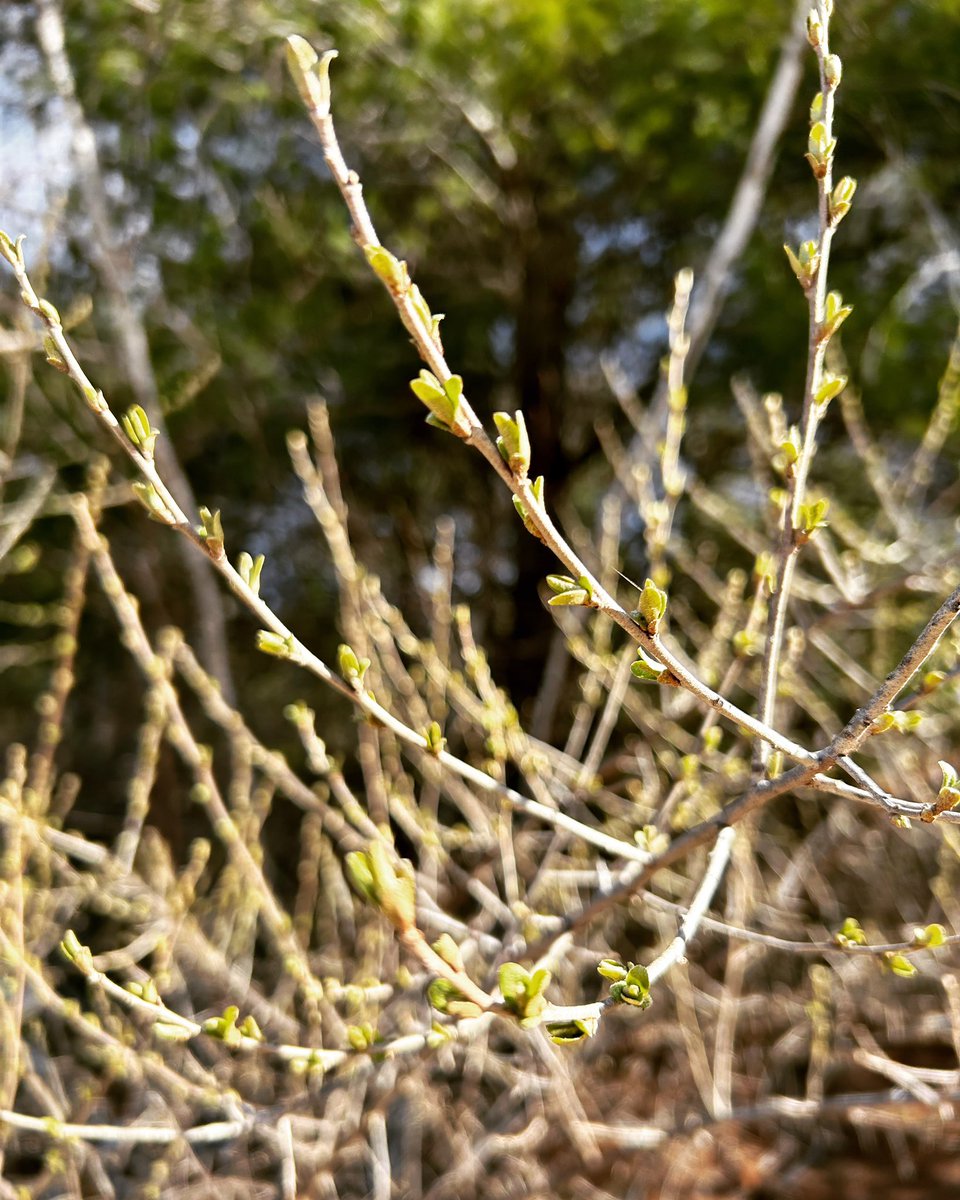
<point x="311" y="74"/>
<point x="513" y="442"/>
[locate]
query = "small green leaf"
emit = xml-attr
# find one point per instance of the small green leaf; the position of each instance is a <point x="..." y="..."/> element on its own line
<point x="813" y="516"/>
<point x="571" y="599"/>
<point x="609" y="968"/>
<point x="513" y="979"/>
<point x="443" y="404"/>
<point x="564" y="1033"/>
<point x="646" y="668"/>
<point x="560" y="583"/>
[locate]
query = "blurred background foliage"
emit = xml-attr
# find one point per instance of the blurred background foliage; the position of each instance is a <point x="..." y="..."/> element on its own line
<point x="545" y="166"/>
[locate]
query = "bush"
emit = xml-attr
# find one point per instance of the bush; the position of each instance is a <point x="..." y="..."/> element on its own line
<point x="457" y="962"/>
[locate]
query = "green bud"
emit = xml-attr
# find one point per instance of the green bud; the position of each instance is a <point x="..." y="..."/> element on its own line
<point x="352" y="668"/>
<point x="831" y="386"/>
<point x="95" y="398"/>
<point x="446" y="998"/>
<point x="442" y="400"/>
<point x="820" y="149"/>
<point x="813" y="517"/>
<point x="53" y="355"/>
<point x="611" y="969"/>
<point x="269" y="642"/>
<point x="833" y="70"/>
<point x="747" y="643"/>
<point x="931" y="937"/>
<point x="434" y="739"/>
<point x="634" y="988"/>
<point x="513" y="442"/>
<point x="899" y="964"/>
<point x="152" y="501"/>
<point x="249" y="568"/>
<point x="652" y="606"/>
<point x="360" y="1037"/>
<point x="885" y="722"/>
<point x="841" y="198"/>
<point x="390" y="270"/>
<point x="168" y="1032"/>
<point x="11" y="250"/>
<point x="74" y="951"/>
<point x="523" y="992"/>
<point x="420" y="305"/>
<point x="210" y="530"/>
<point x="805" y="263"/>
<point x="850" y="933"/>
<point x="361" y="876"/>
<point x="225" y="1028"/>
<point x="310" y="74"/>
<point x="834" y="314"/>
<point x="569" y="592"/>
<point x="137" y="428"/>
<point x="789" y="449"/>
<point x="449" y="951"/>
<point x="49" y="312"/>
<point x="816" y="108"/>
<point x="249" y="1028"/>
<point x="395" y="886"/>
<point x="537" y="488"/>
